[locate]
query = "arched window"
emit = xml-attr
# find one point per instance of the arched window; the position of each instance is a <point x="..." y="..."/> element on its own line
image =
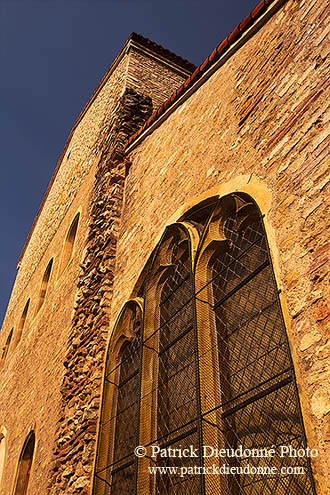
<point x="44" y="285"/>
<point x="69" y="244"/>
<point x="249" y="393"/>
<point x="216" y="369"/>
<point x="6" y="348"/>
<point x="3" y="433"/>
<point x="24" y="466"/>
<point x="22" y="322"/>
<point x="118" y="433"/>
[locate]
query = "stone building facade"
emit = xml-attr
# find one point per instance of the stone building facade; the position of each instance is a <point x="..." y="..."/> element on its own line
<point x="162" y="154"/>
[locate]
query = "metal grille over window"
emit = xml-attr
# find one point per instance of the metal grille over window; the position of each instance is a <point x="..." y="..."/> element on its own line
<point x="116" y="462"/>
<point x="254" y="401"/>
<point x="211" y="374"/>
<point x="170" y="347"/>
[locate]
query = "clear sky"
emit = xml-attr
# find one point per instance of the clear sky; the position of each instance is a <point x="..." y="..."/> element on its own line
<point x="53" y="54"/>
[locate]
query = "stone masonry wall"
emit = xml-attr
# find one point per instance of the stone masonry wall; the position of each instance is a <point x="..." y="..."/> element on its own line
<point x="162" y="80"/>
<point x="75" y="447"/>
<point x="75" y="164"/>
<point x="263" y="117"/>
<point x="81" y="387"/>
<point x="51" y="381"/>
<point x="30" y="377"/>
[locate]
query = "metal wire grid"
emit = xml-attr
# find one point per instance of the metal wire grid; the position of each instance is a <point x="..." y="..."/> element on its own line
<point x="176" y="384"/>
<point x="257" y="403"/>
<point x="119" y="428"/>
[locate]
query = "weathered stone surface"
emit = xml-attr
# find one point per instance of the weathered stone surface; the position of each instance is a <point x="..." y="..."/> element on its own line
<point x="62" y="348"/>
<point x="321" y="403"/>
<point x="259" y="124"/>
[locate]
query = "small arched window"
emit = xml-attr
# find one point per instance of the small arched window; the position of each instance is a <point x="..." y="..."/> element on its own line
<point x="22" y="322"/>
<point x="6" y="348"/>
<point x="44" y="285"/>
<point x="3" y="433"/>
<point x="24" y="466"/>
<point x="69" y="244"/>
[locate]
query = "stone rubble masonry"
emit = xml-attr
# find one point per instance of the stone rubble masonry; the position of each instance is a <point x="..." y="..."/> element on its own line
<point x="51" y="381"/>
<point x="75" y="444"/>
<point x="259" y="124"/>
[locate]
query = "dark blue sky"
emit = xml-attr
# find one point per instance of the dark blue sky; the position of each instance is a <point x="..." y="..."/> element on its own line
<point x="53" y="54"/>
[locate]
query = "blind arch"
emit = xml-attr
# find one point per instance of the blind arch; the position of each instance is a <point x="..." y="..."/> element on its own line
<point x="69" y="242"/>
<point x="44" y="285"/>
<point x="22" y="322"/>
<point x="24" y="465"/>
<point x="6" y="347"/>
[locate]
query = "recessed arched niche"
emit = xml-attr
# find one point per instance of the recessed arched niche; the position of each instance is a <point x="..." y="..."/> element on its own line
<point x="24" y="466"/>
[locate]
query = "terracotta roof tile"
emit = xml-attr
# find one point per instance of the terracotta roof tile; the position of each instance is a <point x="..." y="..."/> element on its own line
<point x="246" y="23"/>
<point x="222" y="46"/>
<point x="215" y="55"/>
<point x="259" y="8"/>
<point x="234" y="35"/>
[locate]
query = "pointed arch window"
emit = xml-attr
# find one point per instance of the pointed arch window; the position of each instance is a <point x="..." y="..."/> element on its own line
<point x="250" y="388"/>
<point x="115" y="471"/>
<point x="7" y="346"/>
<point x="69" y="244"/>
<point x="170" y="397"/>
<point x="24" y="466"/>
<point x="44" y="285"/>
<point x="216" y="367"/>
<point x="22" y="322"/>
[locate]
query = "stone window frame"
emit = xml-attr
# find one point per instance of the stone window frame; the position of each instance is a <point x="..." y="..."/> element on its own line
<point x="202" y="247"/>
<point x="24" y="469"/>
<point x="213" y="240"/>
<point x="44" y="285"/>
<point x="122" y="333"/>
<point x="159" y="269"/>
<point x="6" y="348"/>
<point x="68" y="248"/>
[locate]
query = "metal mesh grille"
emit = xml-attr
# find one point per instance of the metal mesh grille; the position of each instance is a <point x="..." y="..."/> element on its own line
<point x="229" y="383"/>
<point x="175" y="387"/>
<point x="258" y="404"/>
<point x="116" y="472"/>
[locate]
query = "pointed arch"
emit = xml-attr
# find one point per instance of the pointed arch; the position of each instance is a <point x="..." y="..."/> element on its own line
<point x="22" y="322"/>
<point x="6" y="347"/>
<point x="170" y="383"/>
<point x="69" y="243"/>
<point x="216" y="366"/>
<point x="249" y="395"/>
<point x="25" y="465"/>
<point x="115" y="470"/>
<point x="44" y="285"/>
